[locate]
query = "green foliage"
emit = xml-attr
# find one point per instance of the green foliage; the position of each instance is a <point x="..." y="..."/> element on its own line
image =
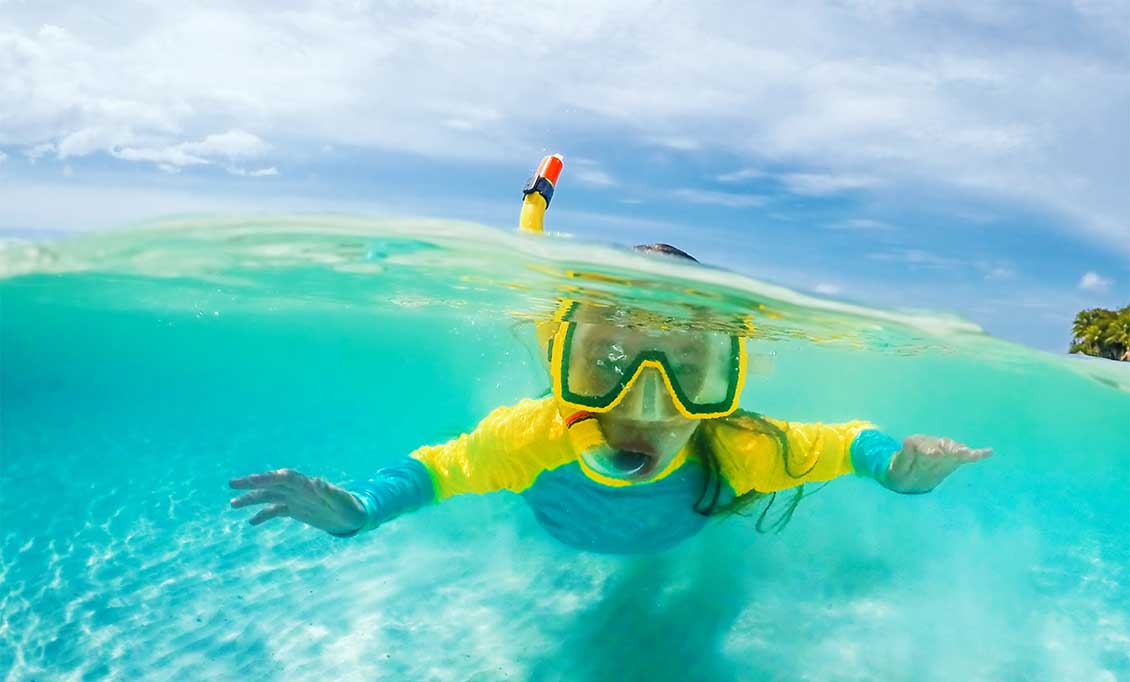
<point x="1102" y="333"/>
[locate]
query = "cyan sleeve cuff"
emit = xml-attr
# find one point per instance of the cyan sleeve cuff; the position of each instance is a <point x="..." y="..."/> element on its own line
<point x="871" y="454"/>
<point x="394" y="490"/>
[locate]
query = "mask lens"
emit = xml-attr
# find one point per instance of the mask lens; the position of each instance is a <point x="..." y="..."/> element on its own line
<point x="599" y="360"/>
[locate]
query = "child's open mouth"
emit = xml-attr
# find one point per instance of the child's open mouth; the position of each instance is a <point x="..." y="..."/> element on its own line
<point x="632" y="463"/>
<point x="630" y="458"/>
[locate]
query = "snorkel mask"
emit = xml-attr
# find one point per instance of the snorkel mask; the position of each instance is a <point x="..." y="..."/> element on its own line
<point x="596" y="363"/>
<point x="605" y="358"/>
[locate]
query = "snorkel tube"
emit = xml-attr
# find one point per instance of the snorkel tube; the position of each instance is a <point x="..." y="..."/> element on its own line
<point x="583" y="429"/>
<point x="538" y="192"/>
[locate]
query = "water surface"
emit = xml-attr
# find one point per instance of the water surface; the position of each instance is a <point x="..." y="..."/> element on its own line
<point x="142" y="369"/>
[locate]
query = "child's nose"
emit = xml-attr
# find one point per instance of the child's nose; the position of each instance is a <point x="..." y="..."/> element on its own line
<point x="648" y="399"/>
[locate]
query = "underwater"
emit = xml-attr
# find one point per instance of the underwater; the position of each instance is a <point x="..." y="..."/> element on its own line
<point x="141" y="369"/>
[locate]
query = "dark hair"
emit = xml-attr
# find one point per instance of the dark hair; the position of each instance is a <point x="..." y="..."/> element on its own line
<point x="665" y="249"/>
<point x="710" y="500"/>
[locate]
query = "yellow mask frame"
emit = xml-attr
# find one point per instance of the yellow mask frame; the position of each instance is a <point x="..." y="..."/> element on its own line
<point x="559" y="353"/>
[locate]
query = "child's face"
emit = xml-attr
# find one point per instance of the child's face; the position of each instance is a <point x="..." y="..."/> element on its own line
<point x="646" y="421"/>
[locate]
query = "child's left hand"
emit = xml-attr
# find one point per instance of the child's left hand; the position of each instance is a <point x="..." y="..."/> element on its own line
<point x="925" y="461"/>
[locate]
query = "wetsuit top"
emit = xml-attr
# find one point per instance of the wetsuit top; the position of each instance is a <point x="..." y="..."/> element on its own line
<point x="524" y="449"/>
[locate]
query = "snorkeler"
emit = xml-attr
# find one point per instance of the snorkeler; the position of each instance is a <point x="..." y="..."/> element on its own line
<point x="642" y="426"/>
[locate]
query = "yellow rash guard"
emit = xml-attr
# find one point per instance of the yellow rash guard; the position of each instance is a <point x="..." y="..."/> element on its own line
<point x="524" y="449"/>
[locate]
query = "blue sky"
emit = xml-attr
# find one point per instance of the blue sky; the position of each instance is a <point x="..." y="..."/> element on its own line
<point x="969" y="159"/>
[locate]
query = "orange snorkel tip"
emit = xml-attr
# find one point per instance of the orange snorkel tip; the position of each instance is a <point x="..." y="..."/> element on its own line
<point x="550" y="168"/>
<point x="545" y="178"/>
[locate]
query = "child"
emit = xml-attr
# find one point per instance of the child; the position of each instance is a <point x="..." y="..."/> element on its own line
<point x="640" y="443"/>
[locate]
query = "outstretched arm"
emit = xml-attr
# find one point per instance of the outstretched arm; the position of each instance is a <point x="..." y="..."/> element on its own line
<point x="344" y="512"/>
<point x="394" y="490"/>
<point x="506" y="451"/>
<point x="917" y="465"/>
<point x="767" y="455"/>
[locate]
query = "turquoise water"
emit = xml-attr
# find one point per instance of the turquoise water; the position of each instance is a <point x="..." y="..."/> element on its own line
<point x="143" y="369"/>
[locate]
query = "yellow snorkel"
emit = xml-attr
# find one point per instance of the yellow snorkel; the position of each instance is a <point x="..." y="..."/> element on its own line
<point x="538" y="192"/>
<point x="584" y="430"/>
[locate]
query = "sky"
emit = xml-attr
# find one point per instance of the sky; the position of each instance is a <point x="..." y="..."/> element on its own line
<point x="970" y="158"/>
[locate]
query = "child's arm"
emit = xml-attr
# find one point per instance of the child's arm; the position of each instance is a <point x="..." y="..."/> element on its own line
<point x="917" y="465"/>
<point x="506" y="451"/>
<point x="752" y="458"/>
<point x="394" y="490"/>
<point x="767" y="455"/>
<point x="925" y="461"/>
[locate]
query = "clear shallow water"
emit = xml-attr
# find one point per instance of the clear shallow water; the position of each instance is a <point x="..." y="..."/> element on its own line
<point x="141" y="370"/>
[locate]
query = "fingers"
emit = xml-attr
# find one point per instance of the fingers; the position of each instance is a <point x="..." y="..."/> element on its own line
<point x="271" y="479"/>
<point x="976" y="455"/>
<point x="945" y="448"/>
<point x="962" y="453"/>
<point x="269" y="513"/>
<point x="257" y="497"/>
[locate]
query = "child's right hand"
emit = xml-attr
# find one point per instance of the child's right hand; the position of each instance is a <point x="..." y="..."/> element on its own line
<point x="309" y="500"/>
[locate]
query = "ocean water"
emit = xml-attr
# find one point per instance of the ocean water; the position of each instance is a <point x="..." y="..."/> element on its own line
<point x="142" y="369"/>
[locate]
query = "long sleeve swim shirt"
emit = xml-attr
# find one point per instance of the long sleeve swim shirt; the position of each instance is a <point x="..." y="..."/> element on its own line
<point x="524" y="449"/>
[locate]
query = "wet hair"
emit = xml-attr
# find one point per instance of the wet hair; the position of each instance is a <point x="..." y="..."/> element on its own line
<point x="710" y="499"/>
<point x="665" y="249"/>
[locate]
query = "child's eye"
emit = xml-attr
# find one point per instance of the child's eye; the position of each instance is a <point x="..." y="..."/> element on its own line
<point x="690" y="376"/>
<point x="605" y="354"/>
<point x="608" y="364"/>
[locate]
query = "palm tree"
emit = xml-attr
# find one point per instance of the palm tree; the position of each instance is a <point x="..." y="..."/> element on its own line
<point x="1102" y="333"/>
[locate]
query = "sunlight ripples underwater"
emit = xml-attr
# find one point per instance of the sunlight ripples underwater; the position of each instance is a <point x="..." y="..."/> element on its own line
<point x="141" y="370"/>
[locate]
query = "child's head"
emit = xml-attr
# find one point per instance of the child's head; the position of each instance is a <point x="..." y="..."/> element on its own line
<point x="650" y="384"/>
<point x="665" y="249"/>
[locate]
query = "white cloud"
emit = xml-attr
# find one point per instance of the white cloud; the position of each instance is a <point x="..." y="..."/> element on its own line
<point x="232" y="145"/>
<point x="819" y="184"/>
<point x="70" y="205"/>
<point x="1000" y="104"/>
<point x="168" y="156"/>
<point x="88" y="140"/>
<point x="3" y="157"/>
<point x="741" y="175"/>
<point x="36" y="152"/>
<point x="918" y="259"/>
<point x="678" y="143"/>
<point x="1092" y="281"/>
<point x="826" y="289"/>
<point x="862" y="224"/>
<point x="996" y="270"/>
<point x="593" y="177"/>
<point x="727" y="199"/>
<point x="262" y="172"/>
